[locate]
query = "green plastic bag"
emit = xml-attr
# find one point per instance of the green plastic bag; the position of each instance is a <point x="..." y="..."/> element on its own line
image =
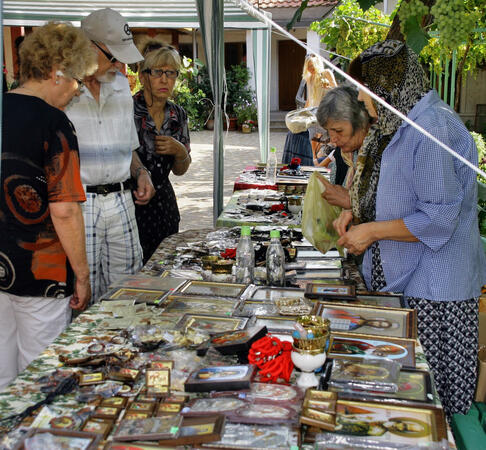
<point x="317" y="217"/>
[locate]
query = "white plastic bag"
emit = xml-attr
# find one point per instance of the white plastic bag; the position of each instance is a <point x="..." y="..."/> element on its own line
<point x="300" y="120"/>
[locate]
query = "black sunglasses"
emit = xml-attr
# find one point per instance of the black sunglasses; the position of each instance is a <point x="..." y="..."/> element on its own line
<point x="108" y="55"/>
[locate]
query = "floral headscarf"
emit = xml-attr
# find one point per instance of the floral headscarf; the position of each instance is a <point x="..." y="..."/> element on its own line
<point x="391" y="70"/>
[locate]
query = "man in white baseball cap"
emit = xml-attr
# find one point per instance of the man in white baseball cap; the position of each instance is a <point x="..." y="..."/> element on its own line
<point x="107" y="138"/>
<point x="108" y="27"/>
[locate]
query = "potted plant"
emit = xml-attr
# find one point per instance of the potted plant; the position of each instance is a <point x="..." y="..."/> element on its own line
<point x="246" y="113"/>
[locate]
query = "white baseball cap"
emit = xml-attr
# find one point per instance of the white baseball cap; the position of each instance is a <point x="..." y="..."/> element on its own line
<point x="110" y="28"/>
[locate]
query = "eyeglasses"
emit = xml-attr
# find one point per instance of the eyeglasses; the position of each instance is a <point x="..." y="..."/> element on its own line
<point x="157" y="73"/>
<point x="108" y="55"/>
<point x="80" y="82"/>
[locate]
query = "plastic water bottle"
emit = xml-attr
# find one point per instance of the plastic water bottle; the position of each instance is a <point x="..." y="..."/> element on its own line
<point x="272" y="166"/>
<point x="275" y="261"/>
<point x="245" y="257"/>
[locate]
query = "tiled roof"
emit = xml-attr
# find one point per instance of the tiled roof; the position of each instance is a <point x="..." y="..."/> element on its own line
<point x="264" y="4"/>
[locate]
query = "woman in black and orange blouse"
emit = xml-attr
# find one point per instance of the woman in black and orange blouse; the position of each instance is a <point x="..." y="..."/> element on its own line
<point x="164" y="142"/>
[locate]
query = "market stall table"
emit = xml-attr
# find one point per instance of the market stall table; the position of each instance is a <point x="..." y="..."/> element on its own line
<point x="96" y="328"/>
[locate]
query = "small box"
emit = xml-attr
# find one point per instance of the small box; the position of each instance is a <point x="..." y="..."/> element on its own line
<point x="239" y="341"/>
<point x="144" y="407"/>
<point x="157" y="382"/>
<point x="87" y="379"/>
<point x="319" y="419"/>
<point x="98" y="426"/>
<point x="166" y="408"/>
<point x="124" y="374"/>
<point x="106" y="412"/>
<point x="117" y="402"/>
<point x="220" y="378"/>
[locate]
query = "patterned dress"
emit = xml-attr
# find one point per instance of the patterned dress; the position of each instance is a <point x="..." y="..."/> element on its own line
<point x="160" y="217"/>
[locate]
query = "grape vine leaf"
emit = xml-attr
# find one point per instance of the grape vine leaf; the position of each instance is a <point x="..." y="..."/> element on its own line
<point x="417" y="39"/>
<point x="367" y="4"/>
<point x="297" y="15"/>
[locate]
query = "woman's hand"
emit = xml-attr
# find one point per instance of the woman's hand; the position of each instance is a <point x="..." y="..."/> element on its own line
<point x="167" y="145"/>
<point x="336" y="195"/>
<point x="358" y="238"/>
<point x="342" y="222"/>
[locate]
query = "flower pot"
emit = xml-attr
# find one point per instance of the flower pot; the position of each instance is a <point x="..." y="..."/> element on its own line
<point x="210" y="124"/>
<point x="245" y="128"/>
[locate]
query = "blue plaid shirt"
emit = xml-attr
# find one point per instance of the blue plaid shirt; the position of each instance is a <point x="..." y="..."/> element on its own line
<point x="436" y="196"/>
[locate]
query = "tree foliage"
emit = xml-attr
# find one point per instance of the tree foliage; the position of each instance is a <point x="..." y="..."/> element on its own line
<point x="349" y="37"/>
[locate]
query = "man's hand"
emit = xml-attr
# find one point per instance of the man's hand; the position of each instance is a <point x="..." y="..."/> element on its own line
<point x="342" y="222"/>
<point x="145" y="189"/>
<point x="358" y="238"/>
<point x="81" y="295"/>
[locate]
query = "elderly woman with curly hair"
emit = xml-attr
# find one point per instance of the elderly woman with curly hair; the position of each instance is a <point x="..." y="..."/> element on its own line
<point x="43" y="266"/>
<point x="164" y="141"/>
<point x="414" y="214"/>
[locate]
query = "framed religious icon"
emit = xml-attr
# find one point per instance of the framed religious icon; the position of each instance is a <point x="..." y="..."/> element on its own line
<point x="179" y="304"/>
<point x="131" y="414"/>
<point x="256" y="436"/>
<point x="390" y="423"/>
<point x="203" y="406"/>
<point x="211" y="324"/>
<point x="196" y="430"/>
<point x="162" y="364"/>
<point x="140" y="295"/>
<point x="274" y="392"/>
<point x="414" y="386"/>
<point x="250" y="308"/>
<point x="345" y="345"/>
<point x="264" y="412"/>
<point x="58" y="438"/>
<point x="276" y="323"/>
<point x="144" y="407"/>
<point x="153" y="428"/>
<point x="316" y="274"/>
<point x="272" y="293"/>
<point x="164" y="408"/>
<point x="364" y="319"/>
<point x="381" y="299"/>
<point x="211" y="289"/>
<point x="117" y="402"/>
<point x="99" y="426"/>
<point x="220" y="378"/>
<point x="157" y="381"/>
<point x="320" y="291"/>
<point x="106" y="412"/>
<point x="141" y="281"/>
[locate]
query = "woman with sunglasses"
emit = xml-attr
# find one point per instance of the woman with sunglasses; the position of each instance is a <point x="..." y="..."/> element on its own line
<point x="164" y="142"/>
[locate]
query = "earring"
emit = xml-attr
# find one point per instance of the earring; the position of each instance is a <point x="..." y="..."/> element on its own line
<point x="57" y="81"/>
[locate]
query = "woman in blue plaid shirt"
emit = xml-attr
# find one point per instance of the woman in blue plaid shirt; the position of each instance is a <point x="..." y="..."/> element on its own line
<point x="413" y="209"/>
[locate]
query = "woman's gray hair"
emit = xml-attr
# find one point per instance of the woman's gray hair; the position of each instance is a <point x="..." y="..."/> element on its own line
<point x="341" y="103"/>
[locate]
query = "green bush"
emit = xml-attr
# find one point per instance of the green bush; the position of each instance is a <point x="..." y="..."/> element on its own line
<point x="246" y="110"/>
<point x="189" y="94"/>
<point x="481" y="146"/>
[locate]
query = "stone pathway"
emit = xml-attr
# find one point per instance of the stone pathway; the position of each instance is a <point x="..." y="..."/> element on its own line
<point x="194" y="190"/>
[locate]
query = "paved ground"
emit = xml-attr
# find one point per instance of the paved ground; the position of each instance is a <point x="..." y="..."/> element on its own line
<point x="194" y="190"/>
